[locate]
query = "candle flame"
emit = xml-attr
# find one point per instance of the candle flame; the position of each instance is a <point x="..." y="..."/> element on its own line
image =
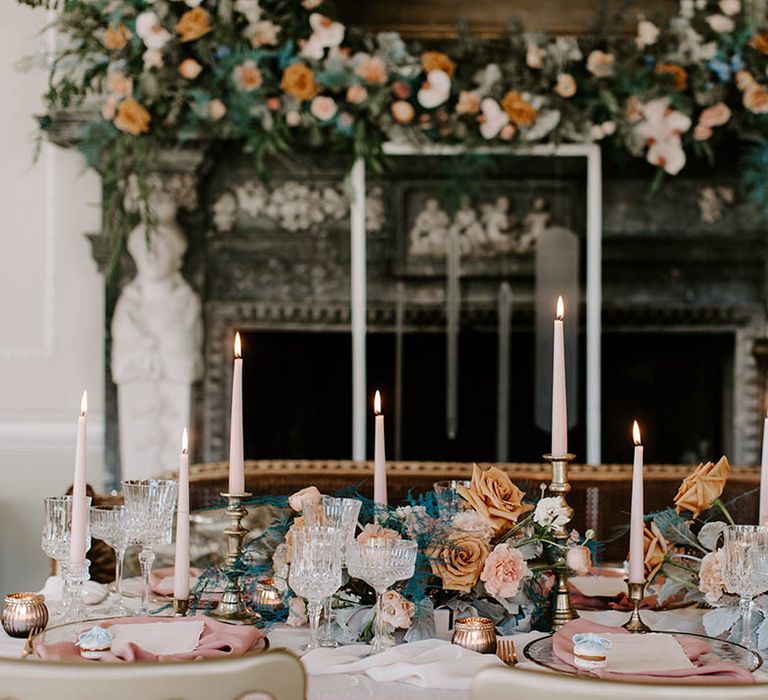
<point x="238" y="347"/>
<point x="636" y="433"/>
<point x="377" y="403"/>
<point x="184" y="442"/>
<point x="560" y="309"/>
<point x="84" y="403"/>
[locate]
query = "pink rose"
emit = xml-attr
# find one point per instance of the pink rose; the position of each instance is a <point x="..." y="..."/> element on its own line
<point x="216" y="109"/>
<point x="374" y="531"/>
<point x="396" y="611"/>
<point x="711" y="576"/>
<point x="579" y="559"/>
<point x="190" y="68"/>
<point x="297" y="612"/>
<point x="309" y="496"/>
<point x="372" y="70"/>
<point x="323" y="108"/>
<point x="356" y="94"/>
<point x="716" y="115"/>
<point x="702" y="132"/>
<point x="504" y="569"/>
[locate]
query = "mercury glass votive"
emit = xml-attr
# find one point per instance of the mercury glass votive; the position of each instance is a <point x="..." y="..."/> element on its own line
<point x="476" y="634"/>
<point x="266" y="597"/>
<point x="24" y="613"/>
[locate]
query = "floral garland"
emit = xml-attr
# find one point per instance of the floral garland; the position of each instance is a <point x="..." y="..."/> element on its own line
<point x="280" y="75"/>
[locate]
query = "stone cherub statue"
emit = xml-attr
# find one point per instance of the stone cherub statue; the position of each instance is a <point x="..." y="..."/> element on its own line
<point x="156" y="344"/>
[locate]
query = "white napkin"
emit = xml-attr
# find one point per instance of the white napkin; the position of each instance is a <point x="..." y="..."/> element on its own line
<point x="54" y="590"/>
<point x="642" y="653"/>
<point x="598" y="586"/>
<point x="161" y="638"/>
<point x="431" y="663"/>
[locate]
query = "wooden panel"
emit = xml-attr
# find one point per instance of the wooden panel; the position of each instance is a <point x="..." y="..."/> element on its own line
<point x="490" y="18"/>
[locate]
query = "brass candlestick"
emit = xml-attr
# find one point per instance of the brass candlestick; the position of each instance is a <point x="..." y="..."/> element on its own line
<point x="635" y="594"/>
<point x="562" y="611"/>
<point x="180" y="606"/>
<point x="232" y="607"/>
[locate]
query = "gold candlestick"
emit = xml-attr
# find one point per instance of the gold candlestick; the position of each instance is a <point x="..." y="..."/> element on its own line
<point x="180" y="606"/>
<point x="562" y="611"/>
<point x="635" y="595"/>
<point x="232" y="607"/>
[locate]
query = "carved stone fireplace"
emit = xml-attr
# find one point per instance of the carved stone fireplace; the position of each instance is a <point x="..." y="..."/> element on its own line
<point x="683" y="290"/>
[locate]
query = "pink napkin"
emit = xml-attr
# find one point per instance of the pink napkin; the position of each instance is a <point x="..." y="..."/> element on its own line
<point x="695" y="648"/>
<point x="161" y="580"/>
<point x="217" y="639"/>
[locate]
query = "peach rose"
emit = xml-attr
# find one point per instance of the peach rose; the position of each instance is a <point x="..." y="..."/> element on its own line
<point x="437" y="60"/>
<point x="373" y="70"/>
<point x="356" y="94"/>
<point x="323" y="108"/>
<point x="132" y="118"/>
<point x="507" y="132"/>
<point x="716" y="115"/>
<point x="402" y="112"/>
<point x="109" y="108"/>
<point x="116" y="38"/>
<point x="459" y="561"/>
<point x="263" y="33"/>
<point x="760" y="41"/>
<point x="579" y="559"/>
<point x="702" y="132"/>
<point x="374" y="531"/>
<point x="193" y="24"/>
<point x="190" y="68"/>
<point x="309" y="496"/>
<point x="247" y="76"/>
<point x="216" y="109"/>
<point x="492" y="494"/>
<point x="676" y="72"/>
<point x="273" y="104"/>
<point x="401" y="89"/>
<point x="566" y="85"/>
<point x="711" y="576"/>
<point x="756" y="99"/>
<point x="469" y="102"/>
<point x="503" y="571"/>
<point x="744" y="80"/>
<point x="396" y="611"/>
<point x="118" y="84"/>
<point x="519" y="110"/>
<point x="704" y="485"/>
<point x="299" y="81"/>
<point x="600" y="63"/>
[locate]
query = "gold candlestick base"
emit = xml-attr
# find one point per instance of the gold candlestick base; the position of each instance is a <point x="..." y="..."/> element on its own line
<point x="232" y="608"/>
<point x="180" y="606"/>
<point x="562" y="610"/>
<point x="635" y="595"/>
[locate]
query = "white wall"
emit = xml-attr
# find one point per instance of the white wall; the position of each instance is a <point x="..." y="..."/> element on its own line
<point x="51" y="308"/>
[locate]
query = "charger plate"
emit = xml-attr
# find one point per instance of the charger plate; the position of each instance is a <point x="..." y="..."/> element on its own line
<point x="540" y="651"/>
<point x="69" y="631"/>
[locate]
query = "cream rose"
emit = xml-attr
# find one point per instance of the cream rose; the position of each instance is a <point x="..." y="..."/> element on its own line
<point x="503" y="571"/>
<point x="459" y="561"/>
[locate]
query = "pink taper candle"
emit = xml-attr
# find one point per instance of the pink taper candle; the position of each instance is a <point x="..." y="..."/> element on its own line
<point x="559" y="396"/>
<point x="236" y="463"/>
<point x="79" y="527"/>
<point x="636" y="524"/>
<point x="764" y="477"/>
<point x="379" y="457"/>
<point x="181" y="562"/>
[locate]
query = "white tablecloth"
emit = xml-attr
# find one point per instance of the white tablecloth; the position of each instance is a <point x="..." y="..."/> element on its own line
<point x="359" y="686"/>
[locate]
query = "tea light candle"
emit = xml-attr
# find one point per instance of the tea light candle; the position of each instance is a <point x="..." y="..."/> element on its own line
<point x="476" y="634"/>
<point x="24" y="613"/>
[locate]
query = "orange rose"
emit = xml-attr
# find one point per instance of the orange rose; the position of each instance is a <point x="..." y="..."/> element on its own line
<point x="519" y="110"/>
<point x="678" y="73"/>
<point x="132" y="118"/>
<point x="756" y="99"/>
<point x="702" y="487"/>
<point x="299" y="81"/>
<point x="493" y="495"/>
<point x="436" y="60"/>
<point x="115" y="38"/>
<point x="760" y="41"/>
<point x="193" y="24"/>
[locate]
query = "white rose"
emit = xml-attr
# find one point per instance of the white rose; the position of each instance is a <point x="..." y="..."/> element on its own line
<point x="647" y="34"/>
<point x="550" y="512"/>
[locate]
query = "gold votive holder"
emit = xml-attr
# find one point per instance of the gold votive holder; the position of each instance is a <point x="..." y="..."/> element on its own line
<point x="476" y="634"/>
<point x="24" y="614"/>
<point x="266" y="597"/>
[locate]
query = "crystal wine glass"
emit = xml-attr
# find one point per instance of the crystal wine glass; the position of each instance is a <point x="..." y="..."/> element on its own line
<point x="315" y="570"/>
<point x="108" y="523"/>
<point x="740" y="575"/>
<point x="449" y="501"/>
<point x="149" y="508"/>
<point x="57" y="523"/>
<point x="381" y="562"/>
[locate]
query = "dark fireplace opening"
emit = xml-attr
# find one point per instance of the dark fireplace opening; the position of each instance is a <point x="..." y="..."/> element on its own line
<point x="297" y="395"/>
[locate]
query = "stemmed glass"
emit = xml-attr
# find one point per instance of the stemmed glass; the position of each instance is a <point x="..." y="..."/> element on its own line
<point x="57" y="523"/>
<point x="149" y="508"/>
<point x="108" y="523"/>
<point x="740" y="574"/>
<point x="341" y="513"/>
<point x="449" y="501"/>
<point x="381" y="562"/>
<point x="315" y="570"/>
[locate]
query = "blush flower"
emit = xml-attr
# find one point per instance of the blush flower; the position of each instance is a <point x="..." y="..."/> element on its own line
<point x="550" y="512"/>
<point x="716" y="115"/>
<point x="153" y="58"/>
<point x="374" y="531"/>
<point x="371" y="69"/>
<point x="711" y="576"/>
<point x="402" y="112"/>
<point x="309" y="496"/>
<point x="119" y="84"/>
<point x="647" y="34"/>
<point x="756" y="99"/>
<point x="730" y="7"/>
<point x="600" y="63"/>
<point x="720" y="24"/>
<point x="435" y="90"/>
<point x="503" y="571"/>
<point x="760" y="41"/>
<point x="356" y="94"/>
<point x="297" y="612"/>
<point x="325" y="34"/>
<point x="247" y="76"/>
<point x="263" y="33"/>
<point x="216" y="109"/>
<point x="151" y="32"/>
<point x="396" y="611"/>
<point x="579" y="559"/>
<point x="566" y="85"/>
<point x="660" y="130"/>
<point x="323" y="108"/>
<point x="534" y="56"/>
<point x="190" y="69"/>
<point x="469" y="102"/>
